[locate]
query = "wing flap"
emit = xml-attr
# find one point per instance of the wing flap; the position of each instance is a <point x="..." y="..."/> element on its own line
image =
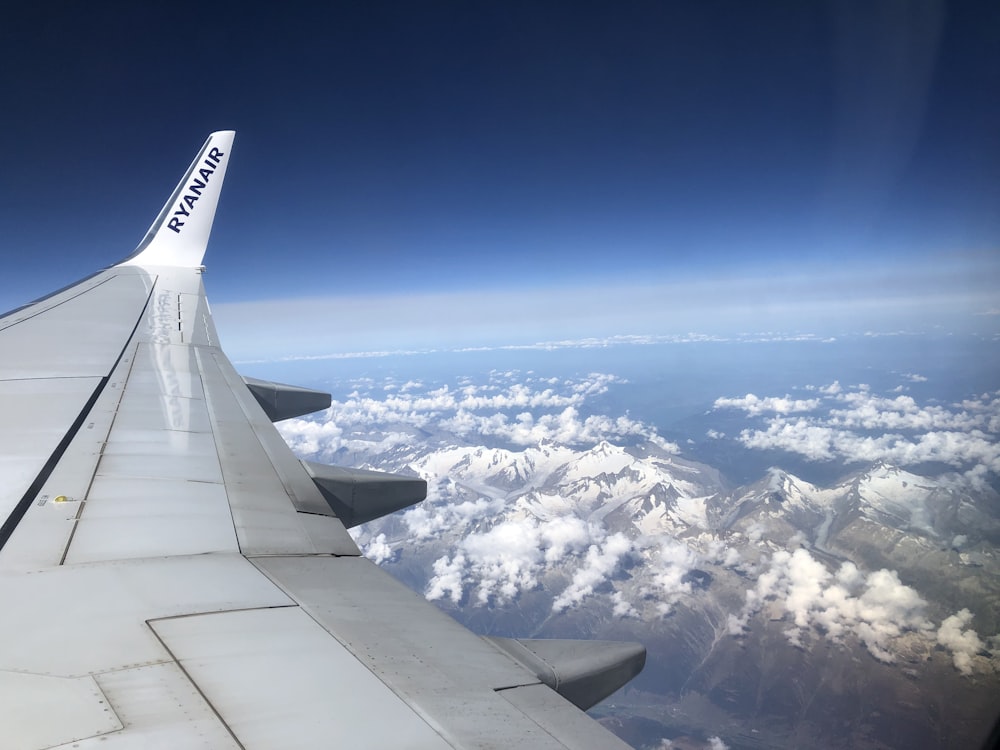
<point x="275" y="676"/>
<point x="561" y="718"/>
<point x="447" y="673"/>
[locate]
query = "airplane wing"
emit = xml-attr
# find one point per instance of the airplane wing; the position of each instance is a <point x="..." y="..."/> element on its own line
<point x="172" y="576"/>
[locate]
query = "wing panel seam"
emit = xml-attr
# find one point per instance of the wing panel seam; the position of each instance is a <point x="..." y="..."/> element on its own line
<point x="100" y="457"/>
<point x="49" y="296"/>
<point x="215" y="437"/>
<point x="194" y="684"/>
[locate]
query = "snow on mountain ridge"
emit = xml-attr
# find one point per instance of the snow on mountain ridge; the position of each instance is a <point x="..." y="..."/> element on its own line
<point x="932" y="507"/>
<point x="497" y="467"/>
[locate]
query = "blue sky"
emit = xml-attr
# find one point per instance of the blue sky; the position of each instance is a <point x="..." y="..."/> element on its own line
<point x="583" y="168"/>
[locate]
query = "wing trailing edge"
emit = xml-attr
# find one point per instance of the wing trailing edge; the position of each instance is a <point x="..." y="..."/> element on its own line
<point x="179" y="235"/>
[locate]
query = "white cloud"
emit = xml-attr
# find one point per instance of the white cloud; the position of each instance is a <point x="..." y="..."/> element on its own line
<point x="564" y="428"/>
<point x="602" y="561"/>
<point x="505" y="560"/>
<point x="423" y="522"/>
<point x="432" y="517"/>
<point x="620" y="607"/>
<point x="448" y="579"/>
<point x="500" y="563"/>
<point x="714" y="743"/>
<point x="857" y="425"/>
<point x="379" y="551"/>
<point x="671" y="562"/>
<point x="562" y="535"/>
<point x="513" y="407"/>
<point x="876" y="608"/>
<point x="819" y="443"/>
<point x="755" y="405"/>
<point x="962" y="641"/>
<point x="731" y="558"/>
<point x="885" y="609"/>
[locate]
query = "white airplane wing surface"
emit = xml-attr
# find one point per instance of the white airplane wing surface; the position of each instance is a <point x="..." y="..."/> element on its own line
<point x="172" y="576"/>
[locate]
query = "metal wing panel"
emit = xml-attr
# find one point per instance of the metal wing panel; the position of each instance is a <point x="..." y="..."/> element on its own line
<point x="75" y="620"/>
<point x="79" y="333"/>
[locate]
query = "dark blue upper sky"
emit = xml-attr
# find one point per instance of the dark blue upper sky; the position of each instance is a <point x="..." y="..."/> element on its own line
<point x="385" y="146"/>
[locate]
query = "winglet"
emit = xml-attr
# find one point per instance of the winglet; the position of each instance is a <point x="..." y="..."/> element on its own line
<point x="180" y="233"/>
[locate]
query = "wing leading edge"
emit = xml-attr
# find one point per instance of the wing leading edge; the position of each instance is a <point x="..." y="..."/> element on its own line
<point x="173" y="576"/>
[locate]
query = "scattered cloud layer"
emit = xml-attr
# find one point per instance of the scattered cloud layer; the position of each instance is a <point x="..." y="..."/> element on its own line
<point x="495" y="566"/>
<point x="856" y="425"/>
<point x="755" y="405"/>
<point x="509" y="558"/>
<point x="512" y="407"/>
<point x="548" y="345"/>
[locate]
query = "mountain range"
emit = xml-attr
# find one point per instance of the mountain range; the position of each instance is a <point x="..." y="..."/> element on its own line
<point x="777" y="613"/>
